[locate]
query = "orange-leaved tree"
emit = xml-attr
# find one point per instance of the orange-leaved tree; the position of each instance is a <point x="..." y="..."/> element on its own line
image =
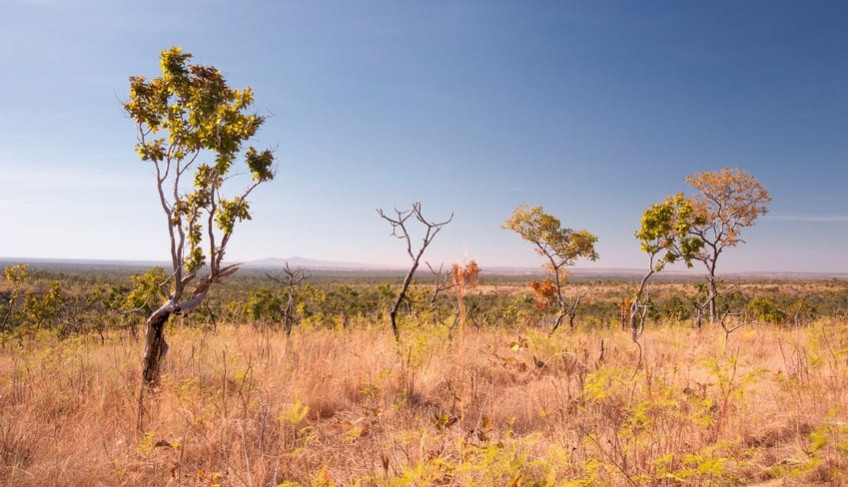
<point x="726" y="202"/>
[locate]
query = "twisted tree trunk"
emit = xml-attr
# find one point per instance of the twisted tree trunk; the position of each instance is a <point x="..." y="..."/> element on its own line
<point x="155" y="346"/>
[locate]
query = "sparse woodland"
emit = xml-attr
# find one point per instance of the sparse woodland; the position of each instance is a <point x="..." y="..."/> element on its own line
<point x="284" y="377"/>
<point x="341" y="402"/>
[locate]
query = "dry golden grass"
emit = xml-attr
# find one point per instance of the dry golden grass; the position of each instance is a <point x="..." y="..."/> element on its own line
<point x="350" y="407"/>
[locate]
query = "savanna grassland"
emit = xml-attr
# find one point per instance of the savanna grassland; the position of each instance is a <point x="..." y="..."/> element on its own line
<point x="466" y="402"/>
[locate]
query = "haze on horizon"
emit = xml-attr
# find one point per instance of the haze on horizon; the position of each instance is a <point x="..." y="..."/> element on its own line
<point x="594" y="111"/>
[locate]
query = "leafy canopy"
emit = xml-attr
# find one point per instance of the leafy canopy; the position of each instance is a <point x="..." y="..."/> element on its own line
<point x="561" y="246"/>
<point x="728" y="200"/>
<point x="666" y="229"/>
<point x="190" y="112"/>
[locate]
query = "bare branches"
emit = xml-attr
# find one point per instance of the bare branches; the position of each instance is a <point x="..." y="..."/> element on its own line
<point x="730" y="328"/>
<point x="713" y="292"/>
<point x="444" y="281"/>
<point x="400" y="231"/>
<point x="293" y="279"/>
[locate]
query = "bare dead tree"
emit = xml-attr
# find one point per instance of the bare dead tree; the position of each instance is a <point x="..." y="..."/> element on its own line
<point x="444" y="281"/>
<point x="400" y="231"/>
<point x="728" y="328"/>
<point x="292" y="279"/>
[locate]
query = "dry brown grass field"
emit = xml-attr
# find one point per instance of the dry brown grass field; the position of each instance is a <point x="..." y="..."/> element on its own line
<point x="243" y="407"/>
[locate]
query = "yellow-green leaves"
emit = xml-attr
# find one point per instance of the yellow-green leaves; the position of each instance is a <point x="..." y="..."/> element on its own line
<point x="151" y="151"/>
<point x="260" y="164"/>
<point x="147" y="290"/>
<point x="563" y="246"/>
<point x="680" y="227"/>
<point x="16" y="274"/>
<point x="231" y="211"/>
<point x="201" y="124"/>
<point x="666" y="229"/>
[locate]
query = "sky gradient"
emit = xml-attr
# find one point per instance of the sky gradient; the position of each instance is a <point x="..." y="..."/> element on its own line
<point x="593" y="110"/>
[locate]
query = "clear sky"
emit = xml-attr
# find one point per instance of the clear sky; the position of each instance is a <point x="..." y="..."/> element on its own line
<point x="593" y="110"/>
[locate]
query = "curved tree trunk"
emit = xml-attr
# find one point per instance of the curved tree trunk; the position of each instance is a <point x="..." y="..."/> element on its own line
<point x="155" y="346"/>
<point x="400" y="297"/>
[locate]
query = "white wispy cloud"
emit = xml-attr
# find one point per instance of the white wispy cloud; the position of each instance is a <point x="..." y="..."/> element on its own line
<point x="808" y="218"/>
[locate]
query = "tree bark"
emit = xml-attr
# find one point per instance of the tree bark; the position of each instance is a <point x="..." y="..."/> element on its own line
<point x="406" y="281"/>
<point x="713" y="295"/>
<point x="155" y="346"/>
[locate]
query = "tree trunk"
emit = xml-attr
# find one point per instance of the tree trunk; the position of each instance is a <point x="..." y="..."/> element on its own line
<point x="713" y="294"/>
<point x="393" y="319"/>
<point x="155" y="346"/>
<point x="402" y="294"/>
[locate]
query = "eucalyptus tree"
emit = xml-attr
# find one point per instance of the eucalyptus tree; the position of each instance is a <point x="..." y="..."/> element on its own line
<point x="560" y="246"/>
<point x="191" y="129"/>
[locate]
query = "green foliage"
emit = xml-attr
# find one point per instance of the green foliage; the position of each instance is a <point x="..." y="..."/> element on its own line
<point x="264" y="306"/>
<point x="666" y="231"/>
<point x="44" y="309"/>
<point x="561" y="246"/>
<point x="295" y="414"/>
<point x="766" y="310"/>
<point x="147" y="291"/>
<point x="187" y="113"/>
<point x="17" y="276"/>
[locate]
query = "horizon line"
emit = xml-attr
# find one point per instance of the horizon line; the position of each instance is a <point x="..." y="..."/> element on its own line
<point x="328" y="265"/>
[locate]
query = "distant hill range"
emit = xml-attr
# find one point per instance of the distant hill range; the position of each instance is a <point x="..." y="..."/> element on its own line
<point x="313" y="264"/>
<point x="354" y="267"/>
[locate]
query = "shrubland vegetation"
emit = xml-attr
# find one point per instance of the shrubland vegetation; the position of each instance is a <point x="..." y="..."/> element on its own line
<point x="341" y="402"/>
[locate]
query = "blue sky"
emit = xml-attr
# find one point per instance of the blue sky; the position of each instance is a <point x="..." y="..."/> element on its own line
<point x="593" y="110"/>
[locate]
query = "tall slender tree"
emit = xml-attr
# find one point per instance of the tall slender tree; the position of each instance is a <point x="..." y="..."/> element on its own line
<point x="191" y="127"/>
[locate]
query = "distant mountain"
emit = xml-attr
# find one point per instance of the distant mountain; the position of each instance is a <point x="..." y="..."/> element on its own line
<point x="295" y="262"/>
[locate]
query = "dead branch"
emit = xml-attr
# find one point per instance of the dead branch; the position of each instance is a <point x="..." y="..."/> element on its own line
<point x="400" y="231"/>
<point x="443" y="278"/>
